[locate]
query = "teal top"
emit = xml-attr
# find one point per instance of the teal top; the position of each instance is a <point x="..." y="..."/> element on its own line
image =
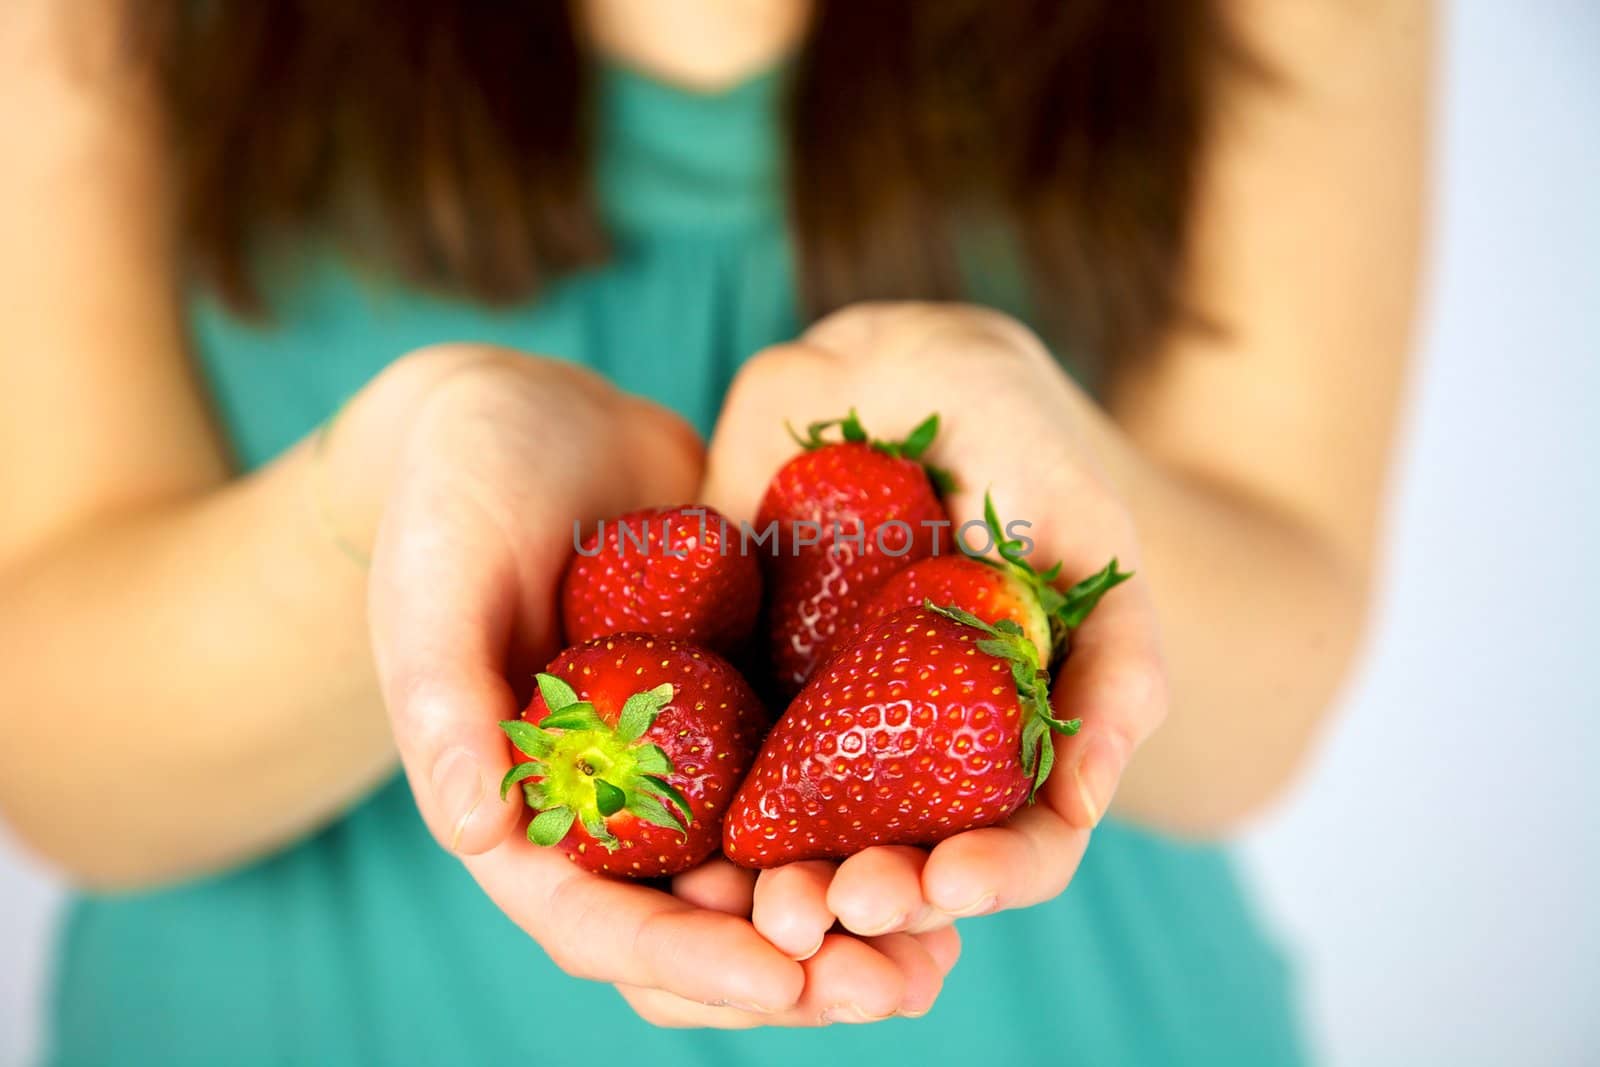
<point x="368" y="944"/>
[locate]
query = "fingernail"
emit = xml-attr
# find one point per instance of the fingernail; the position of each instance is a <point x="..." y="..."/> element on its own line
<point x="982" y="906"/>
<point x="754" y="1009"/>
<point x="814" y="950"/>
<point x="912" y="1014"/>
<point x="1096" y="776"/>
<point x="458" y="790"/>
<point x="847" y="1013"/>
<point x="892" y="924"/>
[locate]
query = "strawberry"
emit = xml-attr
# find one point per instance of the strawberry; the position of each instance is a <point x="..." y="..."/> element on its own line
<point x="1007" y="588"/>
<point x="930" y="723"/>
<point x="669" y="571"/>
<point x="630" y="752"/>
<point x="839" y="496"/>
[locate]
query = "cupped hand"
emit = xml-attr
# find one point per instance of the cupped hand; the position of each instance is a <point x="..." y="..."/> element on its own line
<point x="1012" y="423"/>
<point x="500" y="455"/>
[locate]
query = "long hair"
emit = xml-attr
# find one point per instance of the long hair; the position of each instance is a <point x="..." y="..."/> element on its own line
<point x="450" y="144"/>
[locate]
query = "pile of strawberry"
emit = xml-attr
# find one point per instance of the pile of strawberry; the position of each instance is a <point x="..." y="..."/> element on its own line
<point x="916" y="674"/>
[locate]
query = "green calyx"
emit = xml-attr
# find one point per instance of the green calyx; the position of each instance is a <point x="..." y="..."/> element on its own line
<point x="1005" y="640"/>
<point x="1066" y="611"/>
<point x="911" y="447"/>
<point x="581" y="769"/>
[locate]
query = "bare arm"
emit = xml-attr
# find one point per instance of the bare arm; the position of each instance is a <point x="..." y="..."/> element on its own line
<point x="1254" y="461"/>
<point x="1239" y="472"/>
<point x="186" y="665"/>
<point x="189" y="675"/>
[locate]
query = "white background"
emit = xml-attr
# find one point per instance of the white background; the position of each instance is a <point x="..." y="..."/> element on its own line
<point x="1437" y="869"/>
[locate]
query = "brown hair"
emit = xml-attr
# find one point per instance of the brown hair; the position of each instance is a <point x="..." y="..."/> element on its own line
<point x="450" y="142"/>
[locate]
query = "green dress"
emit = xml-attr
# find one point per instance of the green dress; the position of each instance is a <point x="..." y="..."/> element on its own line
<point x="368" y="944"/>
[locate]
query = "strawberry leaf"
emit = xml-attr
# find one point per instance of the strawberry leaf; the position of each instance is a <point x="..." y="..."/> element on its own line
<point x="667" y="790"/>
<point x="995" y="646"/>
<point x="557" y="694"/>
<point x="1066" y="611"/>
<point x="1047" y="759"/>
<point x="944" y="482"/>
<point x="639" y="712"/>
<point x="608" y="798"/>
<point x="1006" y="641"/>
<point x="518" y="773"/>
<point x="1032" y="737"/>
<point x="1081" y="599"/>
<point x="917" y="442"/>
<point x="596" y="827"/>
<point x="580" y="716"/>
<point x="1022" y="674"/>
<point x="959" y="614"/>
<point x="549" y="827"/>
<point x="651" y="759"/>
<point x="527" y="737"/>
<point x="653" y="811"/>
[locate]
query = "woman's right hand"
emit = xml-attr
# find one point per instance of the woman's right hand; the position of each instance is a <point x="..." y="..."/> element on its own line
<point x="473" y="513"/>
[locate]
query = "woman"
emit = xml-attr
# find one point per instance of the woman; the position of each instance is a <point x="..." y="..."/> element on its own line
<point x="220" y="623"/>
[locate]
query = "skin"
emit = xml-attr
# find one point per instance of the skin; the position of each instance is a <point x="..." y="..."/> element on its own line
<point x="1240" y="475"/>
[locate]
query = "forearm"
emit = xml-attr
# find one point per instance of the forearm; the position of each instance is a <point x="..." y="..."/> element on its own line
<point x="187" y="685"/>
<point x="1260" y="619"/>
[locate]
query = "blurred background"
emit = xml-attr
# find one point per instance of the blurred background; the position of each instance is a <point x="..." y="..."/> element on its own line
<point x="1437" y="872"/>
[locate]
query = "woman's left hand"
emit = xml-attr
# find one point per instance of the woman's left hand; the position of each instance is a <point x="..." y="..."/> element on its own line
<point x="1014" y="424"/>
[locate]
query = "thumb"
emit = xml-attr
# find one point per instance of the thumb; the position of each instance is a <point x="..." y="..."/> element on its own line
<point x="441" y="601"/>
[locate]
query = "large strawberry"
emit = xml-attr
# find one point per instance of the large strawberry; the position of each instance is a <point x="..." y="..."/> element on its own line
<point x="631" y="751"/>
<point x="1007" y="588"/>
<point x="931" y="722"/>
<point x="680" y="572"/>
<point x="845" y="514"/>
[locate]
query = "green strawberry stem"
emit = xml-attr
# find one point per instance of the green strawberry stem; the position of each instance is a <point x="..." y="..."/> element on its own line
<point x="1006" y="641"/>
<point x="580" y="769"/>
<point x="911" y="447"/>
<point x="1066" y="611"/>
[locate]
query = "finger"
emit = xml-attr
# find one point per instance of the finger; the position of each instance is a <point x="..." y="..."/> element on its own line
<point x="879" y="890"/>
<point x="851" y="981"/>
<point x="440" y="604"/>
<point x="921" y="973"/>
<point x="674" y="457"/>
<point x="791" y="906"/>
<point x="717" y="885"/>
<point x="792" y="383"/>
<point x="598" y="928"/>
<point x="1114" y="680"/>
<point x="1027" y="860"/>
<point x="847" y="981"/>
<point x="660" y="1008"/>
<point x="860" y="328"/>
<point x="943" y="945"/>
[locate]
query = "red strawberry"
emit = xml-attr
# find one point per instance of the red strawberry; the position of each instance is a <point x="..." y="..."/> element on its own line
<point x="840" y="496"/>
<point x="1008" y="588"/>
<point x="632" y="749"/>
<point x="930" y="723"/>
<point x="676" y="572"/>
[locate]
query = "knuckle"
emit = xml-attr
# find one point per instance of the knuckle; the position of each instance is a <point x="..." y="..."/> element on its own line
<point x="656" y="943"/>
<point x="569" y="914"/>
<point x="858" y="319"/>
<point x="1137" y="690"/>
<point x="418" y="712"/>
